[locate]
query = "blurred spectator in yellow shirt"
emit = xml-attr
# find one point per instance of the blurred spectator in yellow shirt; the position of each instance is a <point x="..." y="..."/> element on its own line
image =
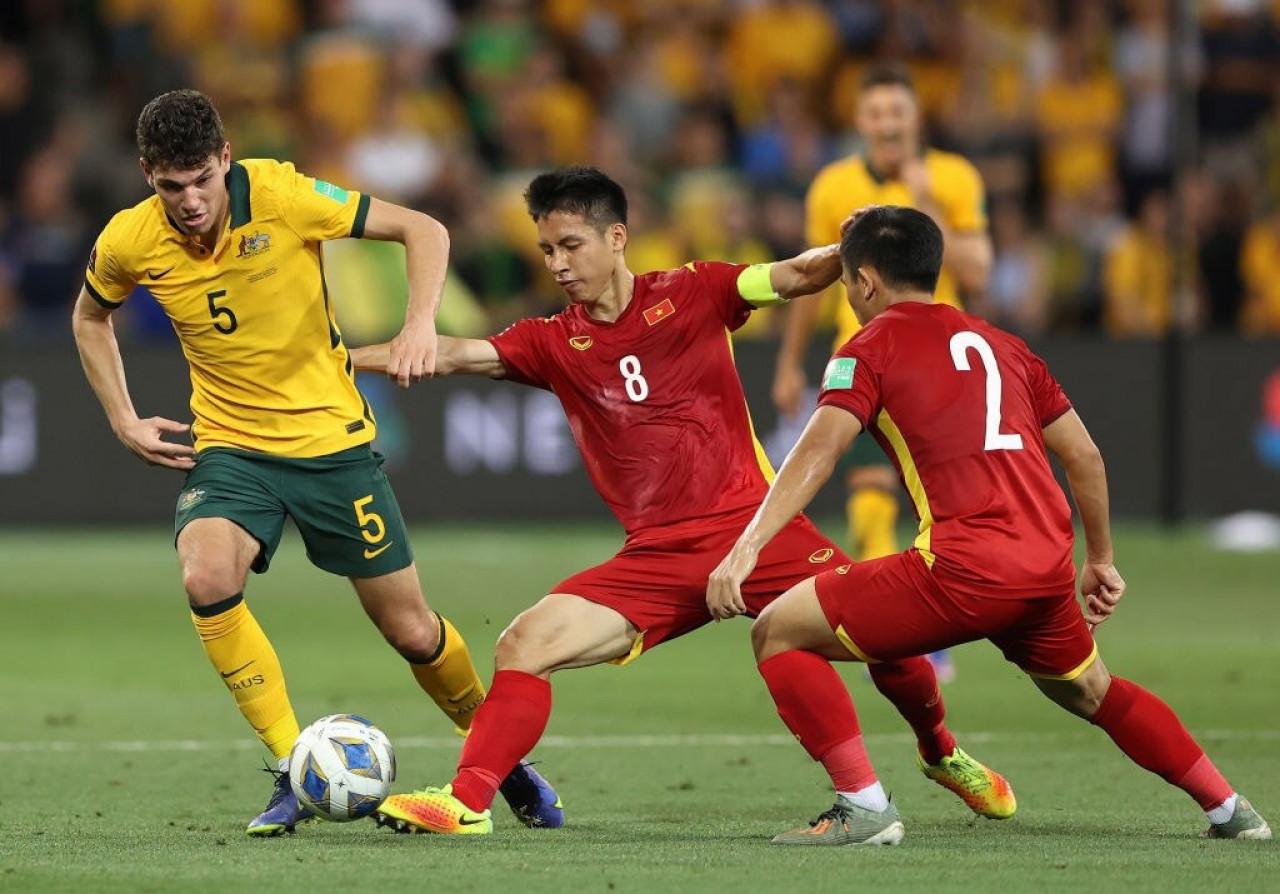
<point x="1138" y="274"/>
<point x="1078" y="113"/>
<point x="777" y="39"/>
<point x="1260" y="269"/>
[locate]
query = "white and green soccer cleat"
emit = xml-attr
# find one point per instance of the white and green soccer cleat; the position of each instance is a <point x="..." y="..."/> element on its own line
<point x="846" y="823"/>
<point x="1245" y="822"/>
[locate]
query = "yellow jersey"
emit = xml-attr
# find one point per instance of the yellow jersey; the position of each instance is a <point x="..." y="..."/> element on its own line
<point x="845" y="185"/>
<point x="1137" y="286"/>
<point x="1260" y="269"/>
<point x="269" y="371"/>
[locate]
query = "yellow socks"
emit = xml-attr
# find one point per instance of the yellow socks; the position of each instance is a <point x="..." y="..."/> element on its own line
<point x="244" y="658"/>
<point x="872" y="514"/>
<point x="450" y="677"/>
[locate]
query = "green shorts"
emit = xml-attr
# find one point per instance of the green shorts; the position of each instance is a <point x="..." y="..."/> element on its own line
<point x="864" y="452"/>
<point x="342" y="504"/>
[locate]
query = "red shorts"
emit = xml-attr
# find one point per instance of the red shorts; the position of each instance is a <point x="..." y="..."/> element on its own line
<point x="658" y="581"/>
<point x="896" y="607"/>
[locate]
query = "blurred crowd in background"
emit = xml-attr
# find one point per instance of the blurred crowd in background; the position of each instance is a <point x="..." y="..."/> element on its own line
<point x="715" y="115"/>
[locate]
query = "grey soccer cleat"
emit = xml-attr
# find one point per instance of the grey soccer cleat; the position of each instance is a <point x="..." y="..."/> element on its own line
<point x="1244" y="823"/>
<point x="847" y="823"/>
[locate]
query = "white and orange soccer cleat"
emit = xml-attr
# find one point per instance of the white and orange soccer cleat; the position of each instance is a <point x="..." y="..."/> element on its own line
<point x="847" y="824"/>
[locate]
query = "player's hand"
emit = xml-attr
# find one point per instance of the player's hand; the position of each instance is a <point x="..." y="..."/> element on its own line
<point x="789" y="386"/>
<point x="724" y="587"/>
<point x="916" y="177"/>
<point x="413" y="354"/>
<point x="1102" y="587"/>
<point x="853" y="218"/>
<point x="145" y="439"/>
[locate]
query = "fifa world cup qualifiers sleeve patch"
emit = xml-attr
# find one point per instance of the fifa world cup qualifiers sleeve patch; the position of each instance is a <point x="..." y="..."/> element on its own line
<point x="839" y="374"/>
<point x="755" y="288"/>
<point x="341" y="196"/>
<point x="337" y="193"/>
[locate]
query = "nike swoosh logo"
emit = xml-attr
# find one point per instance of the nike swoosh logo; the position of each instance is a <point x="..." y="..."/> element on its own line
<point x="463" y="821"/>
<point x="229" y="674"/>
<point x="161" y="275"/>
<point x="374" y="553"/>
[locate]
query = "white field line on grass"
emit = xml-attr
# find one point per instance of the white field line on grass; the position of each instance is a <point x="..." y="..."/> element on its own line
<point x="712" y="740"/>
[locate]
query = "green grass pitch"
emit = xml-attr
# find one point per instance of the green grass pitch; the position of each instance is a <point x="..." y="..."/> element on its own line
<point x="127" y="767"/>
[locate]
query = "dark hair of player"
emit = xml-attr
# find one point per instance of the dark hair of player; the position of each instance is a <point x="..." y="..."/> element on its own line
<point x="887" y="75"/>
<point x="577" y="190"/>
<point x="179" y="130"/>
<point x="903" y="245"/>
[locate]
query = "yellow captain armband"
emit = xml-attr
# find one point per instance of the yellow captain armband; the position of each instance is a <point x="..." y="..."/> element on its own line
<point x="755" y="288"/>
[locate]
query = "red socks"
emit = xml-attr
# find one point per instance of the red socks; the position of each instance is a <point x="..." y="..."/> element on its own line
<point x="815" y="705"/>
<point x="912" y="687"/>
<point x="849" y="766"/>
<point x="505" y="729"/>
<point x="1147" y="730"/>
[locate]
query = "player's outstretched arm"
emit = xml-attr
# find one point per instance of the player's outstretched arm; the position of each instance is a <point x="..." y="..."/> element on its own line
<point x="807" y="468"/>
<point x="808" y="273"/>
<point x="411" y="355"/>
<point x="100" y="355"/>
<point x="1100" y="583"/>
<point x="454" y="356"/>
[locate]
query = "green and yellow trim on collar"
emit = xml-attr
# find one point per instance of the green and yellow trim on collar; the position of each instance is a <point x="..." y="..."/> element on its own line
<point x="238" y="190"/>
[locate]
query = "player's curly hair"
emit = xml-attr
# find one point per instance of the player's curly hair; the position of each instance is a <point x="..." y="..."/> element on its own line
<point x="179" y="130"/>
<point x="577" y="190"/>
<point x="903" y="245"/>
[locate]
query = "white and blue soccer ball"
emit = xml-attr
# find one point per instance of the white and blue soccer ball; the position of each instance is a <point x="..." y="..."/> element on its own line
<point x="342" y="767"/>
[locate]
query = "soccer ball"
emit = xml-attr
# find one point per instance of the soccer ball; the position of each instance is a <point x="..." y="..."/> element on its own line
<point x="342" y="767"/>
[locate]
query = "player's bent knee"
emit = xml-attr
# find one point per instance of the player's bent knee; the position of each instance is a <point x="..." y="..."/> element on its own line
<point x="207" y="585"/>
<point x="1082" y="695"/>
<point x="766" y="638"/>
<point x="415" y="643"/>
<point x="563" y="631"/>
<point x="517" y="649"/>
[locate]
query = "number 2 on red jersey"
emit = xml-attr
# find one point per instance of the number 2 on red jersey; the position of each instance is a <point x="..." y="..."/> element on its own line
<point x="961" y="344"/>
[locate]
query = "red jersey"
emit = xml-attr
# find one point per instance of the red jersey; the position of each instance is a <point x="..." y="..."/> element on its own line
<point x="960" y="407"/>
<point x="653" y="398"/>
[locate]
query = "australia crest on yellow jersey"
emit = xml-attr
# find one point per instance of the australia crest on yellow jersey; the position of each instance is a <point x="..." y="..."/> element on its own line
<point x="252" y="246"/>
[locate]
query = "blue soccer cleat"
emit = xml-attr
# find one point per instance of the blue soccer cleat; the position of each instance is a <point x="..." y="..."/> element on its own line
<point x="283" y="810"/>
<point x="531" y="798"/>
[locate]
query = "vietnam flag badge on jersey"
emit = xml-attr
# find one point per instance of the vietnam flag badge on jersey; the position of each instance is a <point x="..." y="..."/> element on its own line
<point x="659" y="311"/>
